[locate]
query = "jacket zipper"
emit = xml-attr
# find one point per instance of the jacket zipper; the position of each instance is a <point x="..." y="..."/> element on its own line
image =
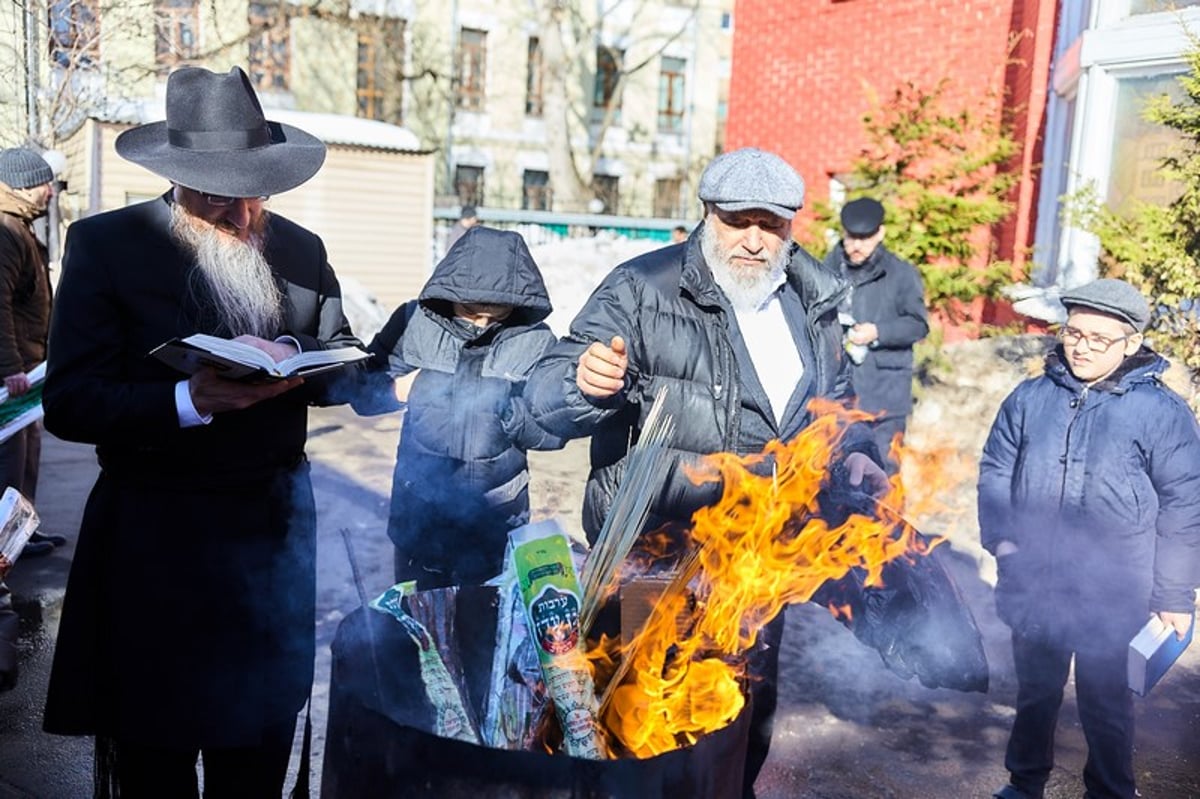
<point x="1064" y="458"/>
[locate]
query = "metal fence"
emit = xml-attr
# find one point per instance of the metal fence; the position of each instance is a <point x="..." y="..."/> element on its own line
<point x="544" y="227"/>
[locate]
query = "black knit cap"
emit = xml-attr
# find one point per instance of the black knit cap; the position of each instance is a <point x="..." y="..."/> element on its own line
<point x="22" y="168"/>
<point x="1113" y="297"/>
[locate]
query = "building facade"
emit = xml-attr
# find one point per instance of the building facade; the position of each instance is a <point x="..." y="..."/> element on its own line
<point x="807" y="102"/>
<point x="1110" y="57"/>
<point x="1066" y="77"/>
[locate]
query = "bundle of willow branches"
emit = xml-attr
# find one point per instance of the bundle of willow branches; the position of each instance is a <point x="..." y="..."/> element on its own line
<point x="645" y="467"/>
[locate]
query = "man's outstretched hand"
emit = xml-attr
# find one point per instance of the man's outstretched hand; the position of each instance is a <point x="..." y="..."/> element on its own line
<point x="601" y="370"/>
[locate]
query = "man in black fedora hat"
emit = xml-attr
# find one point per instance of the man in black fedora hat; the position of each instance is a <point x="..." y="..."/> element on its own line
<point x="188" y="620"/>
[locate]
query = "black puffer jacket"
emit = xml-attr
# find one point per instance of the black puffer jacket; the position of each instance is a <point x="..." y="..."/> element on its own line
<point x="681" y="336"/>
<point x="461" y="479"/>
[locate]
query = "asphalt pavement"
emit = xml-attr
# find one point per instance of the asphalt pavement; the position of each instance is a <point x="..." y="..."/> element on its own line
<point x="352" y="466"/>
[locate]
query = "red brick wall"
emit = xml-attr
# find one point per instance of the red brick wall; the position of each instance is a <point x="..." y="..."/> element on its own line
<point x="802" y="70"/>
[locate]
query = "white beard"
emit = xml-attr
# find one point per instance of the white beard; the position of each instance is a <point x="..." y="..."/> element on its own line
<point x="745" y="288"/>
<point x="245" y="296"/>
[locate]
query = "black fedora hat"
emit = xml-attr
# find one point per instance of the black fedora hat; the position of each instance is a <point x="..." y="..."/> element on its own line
<point x="216" y="140"/>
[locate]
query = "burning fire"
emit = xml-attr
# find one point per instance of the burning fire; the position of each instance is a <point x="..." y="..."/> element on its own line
<point x="761" y="547"/>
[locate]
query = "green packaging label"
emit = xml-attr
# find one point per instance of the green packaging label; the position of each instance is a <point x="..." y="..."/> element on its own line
<point x="550" y="593"/>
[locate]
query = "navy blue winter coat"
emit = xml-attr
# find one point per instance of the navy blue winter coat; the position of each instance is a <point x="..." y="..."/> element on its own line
<point x="461" y="479"/>
<point x="1099" y="488"/>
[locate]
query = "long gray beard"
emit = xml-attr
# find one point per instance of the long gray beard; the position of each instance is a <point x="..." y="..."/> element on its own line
<point x="746" y="289"/>
<point x="244" y="294"/>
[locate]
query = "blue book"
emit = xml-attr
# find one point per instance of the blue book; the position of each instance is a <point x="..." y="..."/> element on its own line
<point x="1151" y="653"/>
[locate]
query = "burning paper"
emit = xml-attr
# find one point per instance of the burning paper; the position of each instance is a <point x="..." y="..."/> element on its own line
<point x="516" y="690"/>
<point x="453" y="720"/>
<point x="764" y="545"/>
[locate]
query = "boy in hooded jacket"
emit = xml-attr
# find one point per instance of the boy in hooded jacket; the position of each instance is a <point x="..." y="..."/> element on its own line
<point x="462" y="478"/>
<point x="1089" y="498"/>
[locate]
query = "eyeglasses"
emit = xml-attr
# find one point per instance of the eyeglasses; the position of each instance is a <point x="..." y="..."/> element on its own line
<point x="220" y="201"/>
<point x="1098" y="344"/>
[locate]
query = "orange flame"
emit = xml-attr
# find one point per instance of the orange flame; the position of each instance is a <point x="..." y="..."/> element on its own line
<point x="761" y="547"/>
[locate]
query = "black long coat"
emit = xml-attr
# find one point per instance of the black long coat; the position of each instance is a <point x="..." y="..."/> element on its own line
<point x="887" y="292"/>
<point x="188" y="619"/>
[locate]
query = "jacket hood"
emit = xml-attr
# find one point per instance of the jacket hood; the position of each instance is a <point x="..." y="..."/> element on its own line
<point x="1144" y="365"/>
<point x="489" y="266"/>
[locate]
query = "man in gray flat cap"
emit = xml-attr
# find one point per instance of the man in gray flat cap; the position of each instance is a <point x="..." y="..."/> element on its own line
<point x="741" y="324"/>
<point x="1089" y="498"/>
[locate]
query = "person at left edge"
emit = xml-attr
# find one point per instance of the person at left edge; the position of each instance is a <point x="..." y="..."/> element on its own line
<point x="25" y="191"/>
<point x="188" y="622"/>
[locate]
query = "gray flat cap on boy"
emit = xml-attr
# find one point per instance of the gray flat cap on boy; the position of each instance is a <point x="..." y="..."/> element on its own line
<point x="750" y="178"/>
<point x="1113" y="297"/>
<point x="22" y="168"/>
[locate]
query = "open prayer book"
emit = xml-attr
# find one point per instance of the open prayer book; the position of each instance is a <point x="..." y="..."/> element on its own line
<point x="238" y="361"/>
<point x="18" y="521"/>
<point x="1152" y="652"/>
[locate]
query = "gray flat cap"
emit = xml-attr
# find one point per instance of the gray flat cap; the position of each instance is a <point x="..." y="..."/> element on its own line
<point x="22" y="168"/>
<point x="1113" y="297"/>
<point x="750" y="178"/>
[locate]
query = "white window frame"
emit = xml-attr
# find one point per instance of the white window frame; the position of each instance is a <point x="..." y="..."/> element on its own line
<point x="1088" y="72"/>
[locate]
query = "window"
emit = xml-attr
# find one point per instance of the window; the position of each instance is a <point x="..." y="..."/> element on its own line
<point x="1152" y="6"/>
<point x="75" y="33"/>
<point x="472" y="63"/>
<point x="608" y="74"/>
<point x="607" y="191"/>
<point x="533" y="79"/>
<point x="536" y="190"/>
<point x="670" y="95"/>
<point x="176" y="23"/>
<point x="468" y="185"/>
<point x="379" y="86"/>
<point x="666" y="196"/>
<point x="270" y="47"/>
<point x="1139" y="146"/>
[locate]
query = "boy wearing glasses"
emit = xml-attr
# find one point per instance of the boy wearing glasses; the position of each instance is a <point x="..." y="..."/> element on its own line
<point x="1089" y="498"/>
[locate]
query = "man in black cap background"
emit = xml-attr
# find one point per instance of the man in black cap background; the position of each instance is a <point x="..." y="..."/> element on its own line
<point x="741" y="324"/>
<point x="25" y="187"/>
<point x="188" y="622"/>
<point x="468" y="218"/>
<point x="884" y="317"/>
<point x="1089" y="498"/>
